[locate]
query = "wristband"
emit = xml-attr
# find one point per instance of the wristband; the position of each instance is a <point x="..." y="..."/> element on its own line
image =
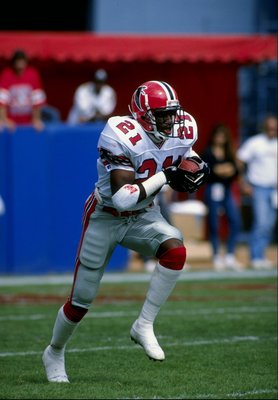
<point x="154" y="183"/>
<point x="126" y="197"/>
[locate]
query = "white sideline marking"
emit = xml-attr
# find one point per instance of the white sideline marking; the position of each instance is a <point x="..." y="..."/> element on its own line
<point x="122" y="277"/>
<point x="230" y="395"/>
<point x="232" y="340"/>
<point x="250" y="392"/>
<point x="121" y="314"/>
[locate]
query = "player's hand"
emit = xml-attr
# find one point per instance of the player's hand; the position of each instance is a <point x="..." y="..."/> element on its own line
<point x="184" y="179"/>
<point x="170" y="173"/>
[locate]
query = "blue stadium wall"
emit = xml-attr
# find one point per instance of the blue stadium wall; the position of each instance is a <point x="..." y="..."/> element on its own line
<point x="182" y="16"/>
<point x="44" y="180"/>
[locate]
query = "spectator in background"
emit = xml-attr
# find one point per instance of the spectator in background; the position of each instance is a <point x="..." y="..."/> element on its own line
<point x="93" y="101"/>
<point x="257" y="158"/>
<point x="21" y="94"/>
<point x="219" y="198"/>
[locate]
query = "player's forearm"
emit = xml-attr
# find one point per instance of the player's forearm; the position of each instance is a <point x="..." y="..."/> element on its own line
<point x="129" y="195"/>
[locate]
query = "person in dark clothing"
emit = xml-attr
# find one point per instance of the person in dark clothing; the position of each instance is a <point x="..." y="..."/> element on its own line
<point x="219" y="196"/>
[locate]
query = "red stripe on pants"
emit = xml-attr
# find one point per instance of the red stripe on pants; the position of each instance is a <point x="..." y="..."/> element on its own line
<point x="89" y="208"/>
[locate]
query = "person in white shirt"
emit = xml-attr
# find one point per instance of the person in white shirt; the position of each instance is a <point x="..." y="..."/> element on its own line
<point x="257" y="158"/>
<point x="93" y="101"/>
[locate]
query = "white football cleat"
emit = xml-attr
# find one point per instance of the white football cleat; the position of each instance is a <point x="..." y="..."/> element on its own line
<point x="146" y="338"/>
<point x="54" y="365"/>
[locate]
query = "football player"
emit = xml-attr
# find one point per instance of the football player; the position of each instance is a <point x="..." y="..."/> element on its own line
<point x="138" y="155"/>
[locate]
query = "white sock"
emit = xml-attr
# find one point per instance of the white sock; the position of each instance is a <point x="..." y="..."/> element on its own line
<point x="62" y="331"/>
<point x="162" y="283"/>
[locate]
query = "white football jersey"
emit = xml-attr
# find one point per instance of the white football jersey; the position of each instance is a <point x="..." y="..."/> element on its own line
<point x="123" y="144"/>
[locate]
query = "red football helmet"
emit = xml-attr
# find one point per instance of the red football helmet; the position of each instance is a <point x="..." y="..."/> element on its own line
<point x="154" y="105"/>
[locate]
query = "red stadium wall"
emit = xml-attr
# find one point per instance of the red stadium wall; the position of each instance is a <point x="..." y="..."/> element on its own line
<point x="203" y="69"/>
<point x="207" y="91"/>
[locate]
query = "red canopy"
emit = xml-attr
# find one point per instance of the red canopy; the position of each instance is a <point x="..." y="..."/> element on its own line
<point x="110" y="48"/>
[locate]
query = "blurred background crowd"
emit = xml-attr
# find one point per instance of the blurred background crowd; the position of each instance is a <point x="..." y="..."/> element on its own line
<point x="63" y="73"/>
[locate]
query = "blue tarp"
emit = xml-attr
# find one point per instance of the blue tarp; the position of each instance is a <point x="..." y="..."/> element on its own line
<point x="45" y="179"/>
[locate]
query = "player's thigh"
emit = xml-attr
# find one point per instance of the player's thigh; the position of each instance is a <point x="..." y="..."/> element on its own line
<point x="99" y="241"/>
<point x="148" y="231"/>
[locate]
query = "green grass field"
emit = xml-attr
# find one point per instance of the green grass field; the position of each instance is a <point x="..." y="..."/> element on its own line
<point x="219" y="336"/>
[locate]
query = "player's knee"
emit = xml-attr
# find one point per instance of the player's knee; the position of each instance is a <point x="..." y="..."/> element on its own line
<point x="173" y="258"/>
<point x="74" y="313"/>
<point x="85" y="286"/>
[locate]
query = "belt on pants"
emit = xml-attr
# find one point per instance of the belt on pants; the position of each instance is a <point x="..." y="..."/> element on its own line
<point x="117" y="213"/>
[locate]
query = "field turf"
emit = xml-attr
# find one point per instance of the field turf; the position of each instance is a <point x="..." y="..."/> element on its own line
<point x="219" y="337"/>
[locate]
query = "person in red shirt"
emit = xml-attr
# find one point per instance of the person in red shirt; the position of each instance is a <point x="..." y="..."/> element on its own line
<point x="21" y="94"/>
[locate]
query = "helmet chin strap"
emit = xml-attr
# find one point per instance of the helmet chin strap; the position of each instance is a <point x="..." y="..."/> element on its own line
<point x="159" y="137"/>
<point x="155" y="137"/>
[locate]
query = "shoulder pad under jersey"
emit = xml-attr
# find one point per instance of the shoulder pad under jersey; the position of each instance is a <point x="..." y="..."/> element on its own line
<point x="126" y="130"/>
